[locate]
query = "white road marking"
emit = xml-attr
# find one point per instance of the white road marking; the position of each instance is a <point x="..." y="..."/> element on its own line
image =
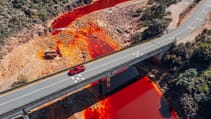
<point x="63" y="80"/>
<point x="117" y="59"/>
<point x="35" y="91"/>
<point x="77" y="78"/>
<point x="137" y="54"/>
<point x="191" y="27"/>
<point x="199" y="19"/>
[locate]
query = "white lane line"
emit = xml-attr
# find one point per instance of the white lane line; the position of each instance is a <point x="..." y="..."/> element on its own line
<point x="117" y="59"/>
<point x="203" y="11"/>
<point x="191" y="27"/>
<point x="199" y="19"/>
<point x="134" y="48"/>
<point x="35" y="91"/>
<point x="206" y="9"/>
<point x="77" y="78"/>
<point x="66" y="78"/>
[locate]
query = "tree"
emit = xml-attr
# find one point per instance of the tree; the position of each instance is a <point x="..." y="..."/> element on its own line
<point x="202" y="53"/>
<point x="204" y="108"/>
<point x="155" y="29"/>
<point x="155" y="12"/>
<point x="18" y="3"/>
<point x="186" y="80"/>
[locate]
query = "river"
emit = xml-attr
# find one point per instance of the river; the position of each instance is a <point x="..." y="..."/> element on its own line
<point x="140" y="100"/>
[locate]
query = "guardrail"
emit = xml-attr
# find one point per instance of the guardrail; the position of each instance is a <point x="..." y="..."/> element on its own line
<point x="67" y="68"/>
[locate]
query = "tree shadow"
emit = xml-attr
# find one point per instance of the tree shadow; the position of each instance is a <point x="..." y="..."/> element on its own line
<point x="68" y="106"/>
<point x="165" y="110"/>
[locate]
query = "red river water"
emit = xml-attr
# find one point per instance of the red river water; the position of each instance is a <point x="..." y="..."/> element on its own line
<point x="140" y="100"/>
<point x="68" y="17"/>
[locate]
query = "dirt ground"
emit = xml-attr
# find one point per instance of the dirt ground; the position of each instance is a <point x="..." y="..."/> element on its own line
<point x="116" y="21"/>
<point x="176" y="10"/>
<point x="23" y="59"/>
<point x="191" y="37"/>
<point x="179" y="8"/>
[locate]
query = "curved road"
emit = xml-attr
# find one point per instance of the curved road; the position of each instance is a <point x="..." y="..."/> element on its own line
<point x="21" y="97"/>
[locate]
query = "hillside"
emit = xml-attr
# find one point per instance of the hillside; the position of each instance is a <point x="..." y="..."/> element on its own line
<point x="86" y="38"/>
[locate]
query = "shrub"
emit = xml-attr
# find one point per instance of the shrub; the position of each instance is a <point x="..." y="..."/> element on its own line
<point x="22" y="78"/>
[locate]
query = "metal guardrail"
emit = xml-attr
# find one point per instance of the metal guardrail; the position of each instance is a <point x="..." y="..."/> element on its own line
<point x="66" y="69"/>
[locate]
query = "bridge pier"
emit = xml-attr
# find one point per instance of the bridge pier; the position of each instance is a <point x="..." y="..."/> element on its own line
<point x="105" y="85"/>
<point x="25" y="115"/>
<point x="108" y="83"/>
<point x="157" y="58"/>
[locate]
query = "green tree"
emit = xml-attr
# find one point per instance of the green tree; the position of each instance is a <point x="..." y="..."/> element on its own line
<point x="18" y="3"/>
<point x="204" y="108"/>
<point x="155" y="29"/>
<point x="186" y="80"/>
<point x="202" y="53"/>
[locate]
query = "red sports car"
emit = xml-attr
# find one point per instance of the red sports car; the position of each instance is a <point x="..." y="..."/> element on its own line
<point x="76" y="70"/>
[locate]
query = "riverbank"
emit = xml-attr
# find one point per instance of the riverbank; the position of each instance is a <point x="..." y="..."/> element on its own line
<point x="23" y="61"/>
<point x="141" y="99"/>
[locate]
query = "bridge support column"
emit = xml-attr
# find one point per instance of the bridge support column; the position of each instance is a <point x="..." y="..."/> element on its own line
<point x="105" y="85"/>
<point x="108" y="82"/>
<point x="103" y="89"/>
<point x="25" y="115"/>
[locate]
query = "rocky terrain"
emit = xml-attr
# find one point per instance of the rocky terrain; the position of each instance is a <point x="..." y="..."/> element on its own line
<point x="20" y="61"/>
<point x="184" y="76"/>
<point x="19" y="14"/>
<point x="23" y="59"/>
<point x="121" y="23"/>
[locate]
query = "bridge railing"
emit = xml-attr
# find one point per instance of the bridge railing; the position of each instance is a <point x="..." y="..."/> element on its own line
<point x="67" y="68"/>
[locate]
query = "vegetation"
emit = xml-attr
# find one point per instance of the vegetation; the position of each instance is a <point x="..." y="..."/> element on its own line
<point x="21" y="79"/>
<point x="18" y="14"/>
<point x="178" y="55"/>
<point x="154" y="18"/>
<point x="204" y="108"/>
<point x="193" y="80"/>
<point x="166" y="2"/>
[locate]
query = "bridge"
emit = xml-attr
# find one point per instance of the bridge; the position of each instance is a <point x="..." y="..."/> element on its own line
<point x="21" y="101"/>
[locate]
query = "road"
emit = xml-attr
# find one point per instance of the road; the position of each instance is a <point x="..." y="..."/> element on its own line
<point x="50" y="85"/>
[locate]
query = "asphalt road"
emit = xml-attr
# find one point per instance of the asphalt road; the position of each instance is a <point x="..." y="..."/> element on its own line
<point x="38" y="90"/>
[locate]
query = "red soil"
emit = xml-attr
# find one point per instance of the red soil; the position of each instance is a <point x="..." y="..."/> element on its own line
<point x="68" y="17"/>
<point x="140" y="100"/>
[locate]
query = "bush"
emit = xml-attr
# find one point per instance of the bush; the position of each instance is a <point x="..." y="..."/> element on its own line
<point x="22" y="78"/>
<point x="17" y="14"/>
<point x="202" y="53"/>
<point x="186" y="80"/>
